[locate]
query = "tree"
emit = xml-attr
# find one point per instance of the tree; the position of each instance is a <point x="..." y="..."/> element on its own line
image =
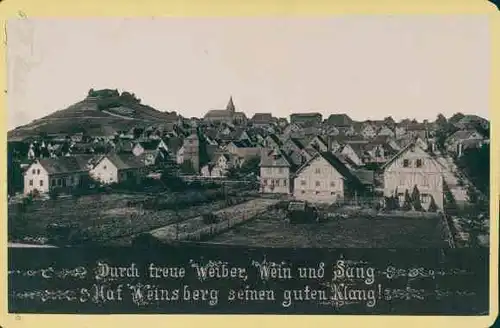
<point x="456" y="117"/>
<point x="432" y="206"/>
<point x="407" y="203"/>
<point x="415" y="196"/>
<point x="251" y="165"/>
<point x="475" y="162"/>
<point x="441" y="120"/>
<point x="187" y="167"/>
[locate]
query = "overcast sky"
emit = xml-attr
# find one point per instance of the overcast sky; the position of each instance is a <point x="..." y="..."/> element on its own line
<point x="366" y="66"/>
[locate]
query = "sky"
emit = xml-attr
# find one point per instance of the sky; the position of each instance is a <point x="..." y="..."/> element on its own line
<point x="368" y="67"/>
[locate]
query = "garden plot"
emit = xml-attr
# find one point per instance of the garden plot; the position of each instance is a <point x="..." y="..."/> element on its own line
<point x="196" y="228"/>
<point x="271" y="230"/>
<point x="97" y="218"/>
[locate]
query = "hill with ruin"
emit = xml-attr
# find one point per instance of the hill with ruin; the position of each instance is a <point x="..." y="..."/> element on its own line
<point x="102" y="112"/>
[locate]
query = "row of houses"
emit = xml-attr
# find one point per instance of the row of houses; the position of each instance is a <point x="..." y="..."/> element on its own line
<point x="71" y="172"/>
<point x="326" y="178"/>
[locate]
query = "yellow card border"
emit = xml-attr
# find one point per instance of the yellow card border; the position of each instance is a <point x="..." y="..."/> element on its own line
<point x="223" y="8"/>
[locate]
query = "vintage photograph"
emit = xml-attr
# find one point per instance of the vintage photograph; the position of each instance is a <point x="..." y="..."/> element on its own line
<point x="359" y="132"/>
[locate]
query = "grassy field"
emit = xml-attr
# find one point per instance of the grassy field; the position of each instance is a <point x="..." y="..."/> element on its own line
<point x="355" y="232"/>
<point x="98" y="218"/>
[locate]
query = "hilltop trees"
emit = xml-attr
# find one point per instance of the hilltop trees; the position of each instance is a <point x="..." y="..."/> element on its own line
<point x="111" y="98"/>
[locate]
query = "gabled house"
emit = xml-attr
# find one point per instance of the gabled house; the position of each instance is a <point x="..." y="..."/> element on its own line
<point x="272" y="141"/>
<point x="318" y="143"/>
<point x="243" y="148"/>
<point x="119" y="168"/>
<point x="368" y="130"/>
<point x="347" y="130"/>
<point x="276" y="169"/>
<point x="376" y="152"/>
<point x="414" y="130"/>
<point x="386" y="131"/>
<point x="331" y="130"/>
<point x="463" y="139"/>
<point x="221" y="165"/>
<point x="291" y="129"/>
<point x="399" y="131"/>
<point x="152" y="145"/>
<point x="63" y="173"/>
<point x="325" y="179"/>
<point x="351" y="152"/>
<point x="262" y="119"/>
<point x="339" y="120"/>
<point x="414" y="168"/>
<point x="306" y="118"/>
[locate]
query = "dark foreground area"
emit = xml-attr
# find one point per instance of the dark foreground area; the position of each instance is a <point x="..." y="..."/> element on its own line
<point x="203" y="279"/>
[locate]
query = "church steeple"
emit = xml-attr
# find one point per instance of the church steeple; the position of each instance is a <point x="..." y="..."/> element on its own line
<point x="230" y="105"/>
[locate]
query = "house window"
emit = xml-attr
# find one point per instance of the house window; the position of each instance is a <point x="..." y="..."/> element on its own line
<point x="38" y="171"/>
<point x="303" y="191"/>
<point x="41" y="183"/>
<point x="34" y="171"/>
<point x="53" y="182"/>
<point x="425" y="181"/>
<point x="280" y="170"/>
<point x="104" y="167"/>
<point x="71" y="180"/>
<point x="31" y="182"/>
<point x="332" y="193"/>
<point x="59" y="182"/>
<point x="419" y="163"/>
<point x="317" y="192"/>
<point x="284" y="183"/>
<point x="302" y="182"/>
<point x="332" y="184"/>
<point x="406" y="163"/>
<point x="265" y="182"/>
<point x="317" y="170"/>
<point x="401" y="197"/>
<point x="318" y="183"/>
<point x="425" y="198"/>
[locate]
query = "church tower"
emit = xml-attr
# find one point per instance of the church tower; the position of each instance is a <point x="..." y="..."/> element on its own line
<point x="230" y="105"/>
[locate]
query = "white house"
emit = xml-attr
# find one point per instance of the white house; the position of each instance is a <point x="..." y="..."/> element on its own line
<point x="179" y="156"/>
<point x="462" y="139"/>
<point x="275" y="172"/>
<point x="385" y="131"/>
<point x="348" y="151"/>
<point x="411" y="167"/>
<point x="151" y="145"/>
<point x="325" y="179"/>
<point x="63" y="173"/>
<point x="368" y="131"/>
<point x="318" y="143"/>
<point x="118" y="168"/>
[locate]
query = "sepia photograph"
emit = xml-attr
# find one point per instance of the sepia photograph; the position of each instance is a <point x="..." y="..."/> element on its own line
<point x="362" y="132"/>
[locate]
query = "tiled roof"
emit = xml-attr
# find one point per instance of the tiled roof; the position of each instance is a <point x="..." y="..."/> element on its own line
<point x="125" y="161"/>
<point x="66" y="164"/>
<point x="262" y="117"/>
<point x="366" y="177"/>
<point x="274" y="158"/>
<point x="150" y="145"/>
<point x="339" y="120"/>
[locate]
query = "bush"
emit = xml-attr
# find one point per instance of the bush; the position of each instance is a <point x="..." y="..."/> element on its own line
<point x="391" y="203"/>
<point x="53" y="193"/>
<point x="433" y="207"/>
<point x="417" y="205"/>
<point x="407" y="203"/>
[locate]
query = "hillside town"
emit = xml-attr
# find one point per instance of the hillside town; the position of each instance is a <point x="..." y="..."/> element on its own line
<point x="330" y="163"/>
